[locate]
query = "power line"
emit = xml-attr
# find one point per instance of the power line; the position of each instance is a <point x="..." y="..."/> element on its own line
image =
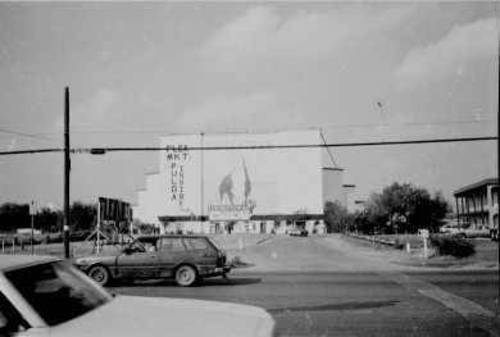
<point x="434" y="123"/>
<point x="31" y="151"/>
<point x="102" y="150"/>
<point x="298" y="146"/>
<point x="24" y="134"/>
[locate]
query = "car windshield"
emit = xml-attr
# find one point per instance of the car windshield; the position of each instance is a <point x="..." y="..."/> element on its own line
<point x="56" y="291"/>
<point x="136" y="246"/>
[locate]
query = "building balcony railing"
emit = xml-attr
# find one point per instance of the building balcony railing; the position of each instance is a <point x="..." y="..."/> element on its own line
<point x="474" y="213"/>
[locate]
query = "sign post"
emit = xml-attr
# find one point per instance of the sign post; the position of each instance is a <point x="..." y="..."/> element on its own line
<point x="33" y="211"/>
<point x="424" y="234"/>
<point x="98" y="228"/>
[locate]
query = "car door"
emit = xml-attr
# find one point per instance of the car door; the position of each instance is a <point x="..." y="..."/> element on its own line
<point x="140" y="264"/>
<point x="172" y="252"/>
<point x="202" y="251"/>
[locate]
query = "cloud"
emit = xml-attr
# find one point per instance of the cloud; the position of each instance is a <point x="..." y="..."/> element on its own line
<point x="94" y="113"/>
<point x="450" y="55"/>
<point x="237" y="113"/>
<point x="263" y="34"/>
<point x="97" y="110"/>
<point x="12" y="144"/>
<point x="312" y="61"/>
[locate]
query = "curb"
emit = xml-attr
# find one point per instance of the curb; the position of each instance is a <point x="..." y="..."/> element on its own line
<point x="391" y="243"/>
<point x="261" y="241"/>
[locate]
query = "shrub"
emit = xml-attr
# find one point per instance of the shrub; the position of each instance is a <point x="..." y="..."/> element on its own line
<point x="399" y="244"/>
<point x="453" y="245"/>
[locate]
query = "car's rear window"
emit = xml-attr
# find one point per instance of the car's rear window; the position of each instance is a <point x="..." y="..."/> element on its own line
<point x="57" y="291"/>
<point x="196" y="243"/>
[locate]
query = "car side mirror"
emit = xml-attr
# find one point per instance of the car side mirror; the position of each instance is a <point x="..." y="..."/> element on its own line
<point x="127" y="250"/>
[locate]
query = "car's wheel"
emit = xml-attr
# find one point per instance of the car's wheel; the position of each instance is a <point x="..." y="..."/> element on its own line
<point x="100" y="274"/>
<point x="185" y="275"/>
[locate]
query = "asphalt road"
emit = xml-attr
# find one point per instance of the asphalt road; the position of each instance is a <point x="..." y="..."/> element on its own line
<point x="480" y="286"/>
<point x="331" y="288"/>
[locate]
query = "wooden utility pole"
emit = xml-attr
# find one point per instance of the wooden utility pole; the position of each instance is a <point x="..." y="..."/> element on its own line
<point x="67" y="168"/>
<point x="498" y="157"/>
<point x="202" y="180"/>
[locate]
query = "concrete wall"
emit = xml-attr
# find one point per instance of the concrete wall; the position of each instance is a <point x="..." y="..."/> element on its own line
<point x="332" y="186"/>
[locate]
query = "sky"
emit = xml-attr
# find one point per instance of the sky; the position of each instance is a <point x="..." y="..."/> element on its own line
<point x="362" y="71"/>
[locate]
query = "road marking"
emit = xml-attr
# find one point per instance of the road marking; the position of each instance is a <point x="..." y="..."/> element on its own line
<point x="474" y="313"/>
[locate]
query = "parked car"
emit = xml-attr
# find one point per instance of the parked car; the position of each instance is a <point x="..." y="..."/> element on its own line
<point x="43" y="296"/>
<point x="80" y="235"/>
<point x="185" y="258"/>
<point x="298" y="232"/>
<point x="464" y="230"/>
<point x="449" y="228"/>
<point x="53" y="237"/>
<point x="25" y="239"/>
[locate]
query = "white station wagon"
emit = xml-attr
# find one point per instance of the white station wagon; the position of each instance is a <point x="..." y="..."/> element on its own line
<point x="44" y="296"/>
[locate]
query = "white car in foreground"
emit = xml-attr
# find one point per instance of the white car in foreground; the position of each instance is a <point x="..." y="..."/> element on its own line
<point x="44" y="296"/>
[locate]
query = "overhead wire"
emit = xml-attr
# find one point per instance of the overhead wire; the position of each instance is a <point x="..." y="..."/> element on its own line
<point x="25" y="134"/>
<point x="103" y="150"/>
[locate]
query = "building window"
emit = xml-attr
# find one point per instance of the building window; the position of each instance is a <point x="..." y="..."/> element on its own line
<point x="494" y="196"/>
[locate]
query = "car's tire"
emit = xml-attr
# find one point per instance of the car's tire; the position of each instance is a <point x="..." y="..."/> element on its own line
<point x="186" y="275"/>
<point x="99" y="274"/>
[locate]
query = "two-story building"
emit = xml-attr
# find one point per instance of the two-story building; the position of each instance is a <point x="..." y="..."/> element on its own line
<point x="477" y="204"/>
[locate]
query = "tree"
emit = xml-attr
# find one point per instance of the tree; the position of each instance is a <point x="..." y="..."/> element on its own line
<point x="362" y="223"/>
<point x="404" y="208"/>
<point x="337" y="217"/>
<point x="49" y="220"/>
<point x="13" y="216"/>
<point x="83" y="216"/>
